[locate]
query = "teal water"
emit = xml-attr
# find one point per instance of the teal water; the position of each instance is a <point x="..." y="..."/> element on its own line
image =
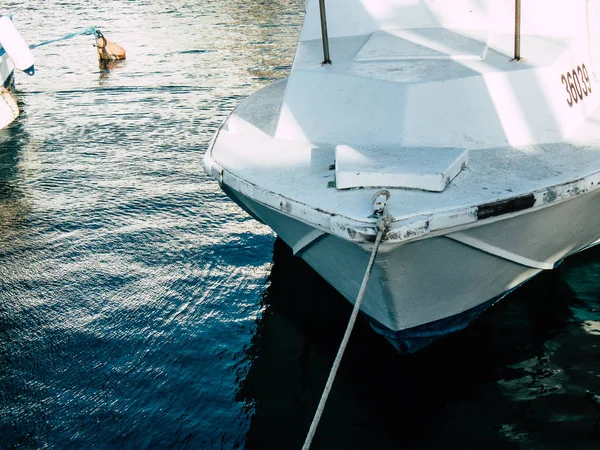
<point x="141" y="309"/>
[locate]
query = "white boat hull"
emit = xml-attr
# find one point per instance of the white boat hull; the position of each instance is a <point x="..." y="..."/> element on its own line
<point x="425" y="289"/>
<point x="492" y="161"/>
<point x="14" y="54"/>
<point x="6" y="71"/>
<point x="9" y="109"/>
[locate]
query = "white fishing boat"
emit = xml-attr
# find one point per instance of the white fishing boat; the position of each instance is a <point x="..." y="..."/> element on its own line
<point x="14" y="54"/>
<point x="480" y="118"/>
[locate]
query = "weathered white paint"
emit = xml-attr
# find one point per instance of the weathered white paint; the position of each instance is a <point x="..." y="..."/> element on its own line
<point x="427" y="75"/>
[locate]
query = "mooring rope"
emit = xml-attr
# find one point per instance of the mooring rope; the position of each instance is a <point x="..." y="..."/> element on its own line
<point x="380" y="210"/>
<point x="85" y="31"/>
<point x="9" y="109"/>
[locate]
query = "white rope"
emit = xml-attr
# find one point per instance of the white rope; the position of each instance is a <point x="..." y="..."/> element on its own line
<point x="381" y="226"/>
<point x="9" y="110"/>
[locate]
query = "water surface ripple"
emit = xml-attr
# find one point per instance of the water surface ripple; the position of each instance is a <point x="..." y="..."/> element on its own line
<point x="141" y="309"/>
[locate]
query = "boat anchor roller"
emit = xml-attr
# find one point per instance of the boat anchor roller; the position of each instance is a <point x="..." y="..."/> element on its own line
<point x="380" y="212"/>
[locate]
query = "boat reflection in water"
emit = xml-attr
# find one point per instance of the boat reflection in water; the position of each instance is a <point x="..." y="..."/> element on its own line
<point x="500" y="382"/>
<point x="14" y="204"/>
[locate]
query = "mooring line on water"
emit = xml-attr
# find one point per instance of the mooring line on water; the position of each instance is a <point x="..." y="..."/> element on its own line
<point x="380" y="211"/>
<point x="84" y="32"/>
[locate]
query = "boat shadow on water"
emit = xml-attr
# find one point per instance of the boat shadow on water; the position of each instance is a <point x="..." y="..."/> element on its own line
<point x="14" y="206"/>
<point x="518" y="377"/>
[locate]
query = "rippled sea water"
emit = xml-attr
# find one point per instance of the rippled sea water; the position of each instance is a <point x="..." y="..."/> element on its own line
<point x="140" y="308"/>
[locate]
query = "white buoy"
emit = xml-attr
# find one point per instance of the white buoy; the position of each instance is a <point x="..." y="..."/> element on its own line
<point x="15" y="46"/>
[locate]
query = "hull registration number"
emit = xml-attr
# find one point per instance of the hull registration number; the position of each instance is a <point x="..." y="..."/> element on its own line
<point x="577" y="84"/>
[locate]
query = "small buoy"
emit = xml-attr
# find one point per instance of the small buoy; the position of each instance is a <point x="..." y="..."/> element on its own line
<point x="15" y="46"/>
<point x="108" y="50"/>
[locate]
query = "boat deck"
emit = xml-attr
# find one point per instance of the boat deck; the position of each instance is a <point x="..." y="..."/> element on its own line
<point x="279" y="146"/>
<point x="301" y="173"/>
<point x="429" y="54"/>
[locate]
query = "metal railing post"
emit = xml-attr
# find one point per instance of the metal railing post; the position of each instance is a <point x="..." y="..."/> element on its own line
<point x="517" y="30"/>
<point x="326" y="59"/>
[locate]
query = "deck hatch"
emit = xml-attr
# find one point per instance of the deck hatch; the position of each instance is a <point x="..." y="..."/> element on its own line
<point x="427" y="169"/>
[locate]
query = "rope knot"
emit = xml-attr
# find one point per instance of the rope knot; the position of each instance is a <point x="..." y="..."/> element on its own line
<point x="383" y="224"/>
<point x="380" y="210"/>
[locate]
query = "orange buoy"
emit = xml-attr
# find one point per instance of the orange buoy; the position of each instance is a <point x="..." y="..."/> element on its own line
<point x="108" y="50"/>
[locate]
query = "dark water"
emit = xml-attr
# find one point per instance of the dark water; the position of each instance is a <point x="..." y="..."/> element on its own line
<point x="140" y="308"/>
